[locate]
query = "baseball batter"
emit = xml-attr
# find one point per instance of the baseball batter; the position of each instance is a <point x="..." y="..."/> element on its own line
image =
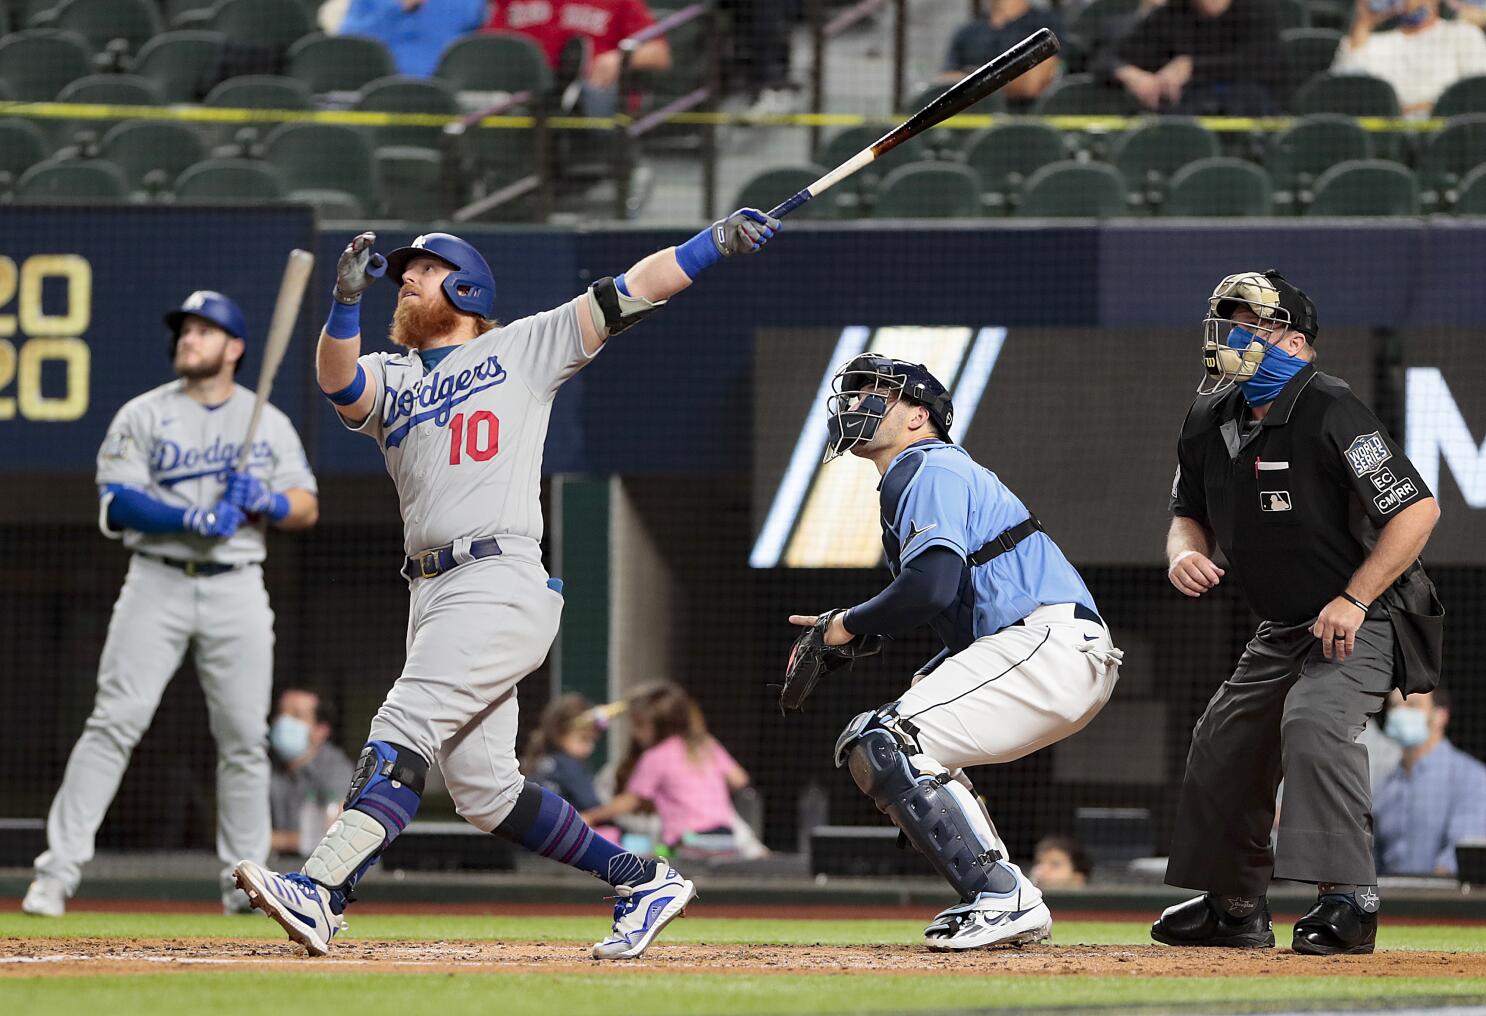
<point x="196" y="530"/>
<point x="1027" y="660"/>
<point x="460" y="414"/>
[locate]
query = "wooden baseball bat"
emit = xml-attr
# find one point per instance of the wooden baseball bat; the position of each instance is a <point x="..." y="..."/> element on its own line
<point x="280" y="329"/>
<point x="996" y="74"/>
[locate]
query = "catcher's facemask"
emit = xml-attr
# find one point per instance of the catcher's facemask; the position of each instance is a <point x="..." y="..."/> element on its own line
<point x="865" y="389"/>
<point x="1232" y="350"/>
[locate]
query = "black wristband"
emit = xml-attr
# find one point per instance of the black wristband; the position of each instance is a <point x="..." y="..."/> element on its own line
<point x="1354" y="601"/>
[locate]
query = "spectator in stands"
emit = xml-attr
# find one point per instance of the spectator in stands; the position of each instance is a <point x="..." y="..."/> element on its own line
<point x="593" y="29"/>
<point x="758" y="51"/>
<point x="1202" y="57"/>
<point x="1004" y="24"/>
<point x="1434" y="799"/>
<point x="1060" y="862"/>
<point x="1420" y="57"/>
<point x="310" y="772"/>
<point x="416" y="31"/>
<point x="557" y="754"/>
<point x="674" y="766"/>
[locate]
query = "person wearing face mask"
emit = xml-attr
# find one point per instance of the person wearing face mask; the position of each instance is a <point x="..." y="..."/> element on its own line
<point x="1321" y="518"/>
<point x="1434" y="799"/>
<point x="310" y="772"/>
<point x="1420" y="57"/>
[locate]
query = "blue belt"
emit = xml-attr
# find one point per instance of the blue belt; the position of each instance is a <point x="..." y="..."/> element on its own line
<point x="192" y="568"/>
<point x="430" y="564"/>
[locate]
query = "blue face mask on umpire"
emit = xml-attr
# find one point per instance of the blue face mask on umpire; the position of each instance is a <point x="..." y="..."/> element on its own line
<point x="1273" y="372"/>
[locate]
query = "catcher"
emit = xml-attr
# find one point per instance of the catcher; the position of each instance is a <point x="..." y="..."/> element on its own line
<point x="1026" y="660"/>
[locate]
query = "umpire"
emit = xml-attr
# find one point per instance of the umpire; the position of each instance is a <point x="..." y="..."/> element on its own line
<point x="1321" y="518"/>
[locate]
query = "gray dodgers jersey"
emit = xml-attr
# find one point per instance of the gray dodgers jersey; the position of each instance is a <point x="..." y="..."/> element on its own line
<point x="176" y="450"/>
<point x="463" y="442"/>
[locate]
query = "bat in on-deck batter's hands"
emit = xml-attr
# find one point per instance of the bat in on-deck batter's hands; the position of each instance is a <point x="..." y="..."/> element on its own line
<point x="280" y="329"/>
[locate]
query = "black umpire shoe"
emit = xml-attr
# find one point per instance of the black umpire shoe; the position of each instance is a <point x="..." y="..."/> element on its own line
<point x="1335" y="926"/>
<point x="1200" y="922"/>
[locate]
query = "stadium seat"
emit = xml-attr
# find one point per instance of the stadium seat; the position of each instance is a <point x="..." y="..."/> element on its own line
<point x="324" y="157"/>
<point x="1330" y="14"/>
<point x="152" y="153"/>
<point x="1307" y="148"/>
<point x="1308" y="52"/>
<point x="37" y="62"/>
<point x="1148" y="155"/>
<point x="229" y="180"/>
<point x="929" y="190"/>
<point x="184" y="64"/>
<point x="272" y="24"/>
<point x="104" y="90"/>
<point x="102" y="22"/>
<point x="1472" y="199"/>
<point x="1350" y="94"/>
<point x="399" y="94"/>
<point x="330" y="203"/>
<point x="767" y="189"/>
<point x="413" y="185"/>
<point x="1366" y="187"/>
<point x="850" y="141"/>
<point x="1082" y="95"/>
<point x="1468" y="95"/>
<point x="1219" y="188"/>
<point x="1448" y="155"/>
<point x="260" y="91"/>
<point x="339" y="63"/>
<point x="22" y="145"/>
<point x="496" y="62"/>
<point x="1073" y="189"/>
<point x="1294" y="14"/>
<point x="1005" y="155"/>
<point x="91" y="180"/>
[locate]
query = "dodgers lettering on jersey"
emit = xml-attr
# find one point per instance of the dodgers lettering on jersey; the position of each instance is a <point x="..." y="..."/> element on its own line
<point x="176" y="450"/>
<point x="935" y="495"/>
<point x="463" y="440"/>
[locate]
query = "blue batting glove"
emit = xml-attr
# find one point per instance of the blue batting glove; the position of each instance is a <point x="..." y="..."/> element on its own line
<point x="219" y="521"/>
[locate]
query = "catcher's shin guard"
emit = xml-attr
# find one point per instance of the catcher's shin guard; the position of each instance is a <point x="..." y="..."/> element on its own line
<point x="386" y="789"/>
<point x="938" y="815"/>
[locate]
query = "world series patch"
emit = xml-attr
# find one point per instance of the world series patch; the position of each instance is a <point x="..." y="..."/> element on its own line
<point x="1367" y="453"/>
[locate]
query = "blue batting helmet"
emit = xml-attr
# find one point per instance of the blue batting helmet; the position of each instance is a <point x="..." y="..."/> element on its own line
<point x="470" y="286"/>
<point x="214" y="307"/>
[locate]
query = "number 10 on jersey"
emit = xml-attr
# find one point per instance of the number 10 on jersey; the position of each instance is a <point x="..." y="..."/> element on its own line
<point x="479" y="436"/>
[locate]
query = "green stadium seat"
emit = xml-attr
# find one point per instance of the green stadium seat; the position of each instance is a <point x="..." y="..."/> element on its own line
<point x="1083" y="95"/>
<point x="413" y="185"/>
<point x="1472" y="199"/>
<point x="260" y="91"/>
<point x="1468" y="95"/>
<point x="1219" y="188"/>
<point x="183" y="63"/>
<point x="104" y="90"/>
<point x="152" y="153"/>
<point x="1006" y="154"/>
<point x="324" y="157"/>
<point x="496" y="62"/>
<point x="1148" y="155"/>
<point x="25" y="11"/>
<point x="1294" y="14"/>
<point x="1448" y="155"/>
<point x="339" y="63"/>
<point x="1072" y="189"/>
<point x="1366" y="187"/>
<point x="188" y="15"/>
<point x="102" y="22"/>
<point x="331" y="204"/>
<point x="929" y="190"/>
<point x="1308" y="52"/>
<point x="851" y="140"/>
<point x="767" y="189"/>
<point x="1350" y="94"/>
<point x="1300" y="153"/>
<point x="36" y="63"/>
<point x="93" y="180"/>
<point x="272" y="24"/>
<point x="229" y="180"/>
<point x="22" y="145"/>
<point x="399" y="94"/>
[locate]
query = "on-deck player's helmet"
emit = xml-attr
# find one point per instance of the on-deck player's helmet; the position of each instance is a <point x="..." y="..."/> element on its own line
<point x="470" y="286"/>
<point x="1232" y="350"/>
<point x="864" y="389"/>
<point x="220" y="310"/>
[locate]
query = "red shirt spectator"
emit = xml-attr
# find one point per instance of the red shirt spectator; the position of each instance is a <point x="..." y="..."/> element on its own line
<point x="550" y="23"/>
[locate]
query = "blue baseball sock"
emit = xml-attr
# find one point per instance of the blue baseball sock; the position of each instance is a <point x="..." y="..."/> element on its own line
<point x="545" y="824"/>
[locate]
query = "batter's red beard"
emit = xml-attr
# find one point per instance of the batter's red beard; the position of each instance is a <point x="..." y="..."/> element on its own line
<point x="416" y="323"/>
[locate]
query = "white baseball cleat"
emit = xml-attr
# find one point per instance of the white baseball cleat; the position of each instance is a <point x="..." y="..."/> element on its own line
<point x="298" y="904"/>
<point x="641" y="911"/>
<point x="969" y="926"/>
<point x="45" y="897"/>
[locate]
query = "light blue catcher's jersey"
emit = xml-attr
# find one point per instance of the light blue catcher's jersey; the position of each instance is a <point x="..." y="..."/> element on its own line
<point x="935" y="495"/>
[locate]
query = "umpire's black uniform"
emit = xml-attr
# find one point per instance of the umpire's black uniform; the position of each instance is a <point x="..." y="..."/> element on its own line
<point x="1295" y="503"/>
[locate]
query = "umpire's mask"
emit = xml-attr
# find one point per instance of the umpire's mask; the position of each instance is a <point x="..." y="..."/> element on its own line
<point x="867" y="387"/>
<point x="1233" y="350"/>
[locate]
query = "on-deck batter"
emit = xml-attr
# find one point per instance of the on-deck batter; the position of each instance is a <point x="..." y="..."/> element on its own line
<point x="461" y="417"/>
<point x="196" y="530"/>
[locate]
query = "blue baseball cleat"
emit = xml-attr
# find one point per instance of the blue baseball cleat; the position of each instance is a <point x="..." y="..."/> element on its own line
<point x="299" y="905"/>
<point x="641" y="911"/>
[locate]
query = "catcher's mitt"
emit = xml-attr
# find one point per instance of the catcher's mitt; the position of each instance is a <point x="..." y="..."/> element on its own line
<point x="810" y="659"/>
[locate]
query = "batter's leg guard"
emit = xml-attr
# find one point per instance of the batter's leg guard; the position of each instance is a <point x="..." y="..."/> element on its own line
<point x="938" y="815"/>
<point x="386" y="789"/>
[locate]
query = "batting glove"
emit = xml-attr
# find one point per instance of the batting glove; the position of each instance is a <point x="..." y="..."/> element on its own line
<point x="744" y="232"/>
<point x="248" y="493"/>
<point x="218" y="522"/>
<point x="357" y="268"/>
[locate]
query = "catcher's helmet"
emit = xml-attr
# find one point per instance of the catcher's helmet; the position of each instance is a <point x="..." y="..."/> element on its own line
<point x="860" y="399"/>
<point x="214" y="307"/>
<point x="1231" y="350"/>
<point x="470" y="286"/>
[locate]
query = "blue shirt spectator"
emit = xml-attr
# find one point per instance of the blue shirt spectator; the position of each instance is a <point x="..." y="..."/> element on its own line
<point x="416" y="31"/>
<point x="1434" y="799"/>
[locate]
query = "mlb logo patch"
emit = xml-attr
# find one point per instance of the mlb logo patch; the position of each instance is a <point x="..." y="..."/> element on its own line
<point x="1274" y="500"/>
<point x="1367" y="453"/>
